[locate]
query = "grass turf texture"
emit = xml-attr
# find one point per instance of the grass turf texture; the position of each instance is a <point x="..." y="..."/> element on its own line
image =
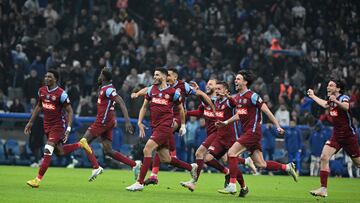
<point x="71" y="185"/>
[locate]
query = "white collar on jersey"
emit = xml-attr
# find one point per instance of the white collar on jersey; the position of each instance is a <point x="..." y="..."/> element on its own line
<point x="245" y="92"/>
<point x="106" y="85"/>
<point x="167" y="86"/>
<point x="177" y="81"/>
<point x="55" y="88"/>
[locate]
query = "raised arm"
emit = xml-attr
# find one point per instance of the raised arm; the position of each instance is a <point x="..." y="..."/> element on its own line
<point x="319" y="101"/>
<point x="141" y="92"/>
<point x="343" y="103"/>
<point x="206" y="99"/>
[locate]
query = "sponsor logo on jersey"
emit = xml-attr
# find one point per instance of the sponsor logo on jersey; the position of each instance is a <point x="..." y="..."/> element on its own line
<point x="209" y="114"/>
<point x="160" y="101"/>
<point x="334" y="113"/>
<point x="220" y="114"/>
<point x="242" y="111"/>
<point x="48" y="106"/>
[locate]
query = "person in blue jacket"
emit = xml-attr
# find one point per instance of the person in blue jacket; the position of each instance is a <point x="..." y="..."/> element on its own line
<point x="268" y="141"/>
<point x="319" y="135"/>
<point x="293" y="144"/>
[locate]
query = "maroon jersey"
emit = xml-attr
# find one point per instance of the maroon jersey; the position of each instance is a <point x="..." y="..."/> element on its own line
<point x="205" y="111"/>
<point x="185" y="90"/>
<point x="225" y="109"/>
<point x="52" y="102"/>
<point x="249" y="110"/>
<point x="342" y="120"/>
<point x="162" y="102"/>
<point x="105" y="104"/>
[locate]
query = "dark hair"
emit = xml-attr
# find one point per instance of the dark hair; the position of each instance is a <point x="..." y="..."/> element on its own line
<point x="174" y="70"/>
<point x="223" y="83"/>
<point x="339" y="83"/>
<point x="248" y="76"/>
<point x="55" y="73"/>
<point x="162" y="70"/>
<point x="107" y="74"/>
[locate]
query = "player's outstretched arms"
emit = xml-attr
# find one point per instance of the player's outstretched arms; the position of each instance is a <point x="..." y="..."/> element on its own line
<point x="204" y="97"/>
<point x="319" y="101"/>
<point x="141" y="92"/>
<point x="270" y="115"/>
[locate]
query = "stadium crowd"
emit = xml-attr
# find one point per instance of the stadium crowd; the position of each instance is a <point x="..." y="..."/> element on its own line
<point x="290" y="45"/>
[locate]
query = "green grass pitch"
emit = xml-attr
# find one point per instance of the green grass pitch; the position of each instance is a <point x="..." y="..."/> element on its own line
<point x="71" y="185"/>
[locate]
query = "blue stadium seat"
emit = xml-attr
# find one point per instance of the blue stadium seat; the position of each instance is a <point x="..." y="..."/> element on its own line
<point x="126" y="149"/>
<point x="3" y="159"/>
<point x="117" y="139"/>
<point x="12" y="151"/>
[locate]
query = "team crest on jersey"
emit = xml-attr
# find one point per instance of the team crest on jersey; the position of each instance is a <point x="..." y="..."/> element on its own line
<point x="260" y="100"/>
<point x="160" y="95"/>
<point x="245" y="101"/>
<point x="167" y="96"/>
<point x="223" y="106"/>
<point x="47" y="96"/>
<point x="53" y="97"/>
<point x="334" y="113"/>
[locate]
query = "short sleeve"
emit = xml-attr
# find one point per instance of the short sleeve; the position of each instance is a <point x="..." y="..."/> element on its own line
<point x="344" y="98"/>
<point x="188" y="89"/>
<point x="110" y="93"/>
<point x="177" y="97"/>
<point x="256" y="100"/>
<point x="64" y="98"/>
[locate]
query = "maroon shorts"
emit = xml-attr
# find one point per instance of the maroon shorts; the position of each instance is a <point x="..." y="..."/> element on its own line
<point x="350" y="145"/>
<point x="251" y="141"/>
<point x="219" y="147"/>
<point x="103" y="130"/>
<point x="161" y="135"/>
<point x="210" y="138"/>
<point x="55" y="135"/>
